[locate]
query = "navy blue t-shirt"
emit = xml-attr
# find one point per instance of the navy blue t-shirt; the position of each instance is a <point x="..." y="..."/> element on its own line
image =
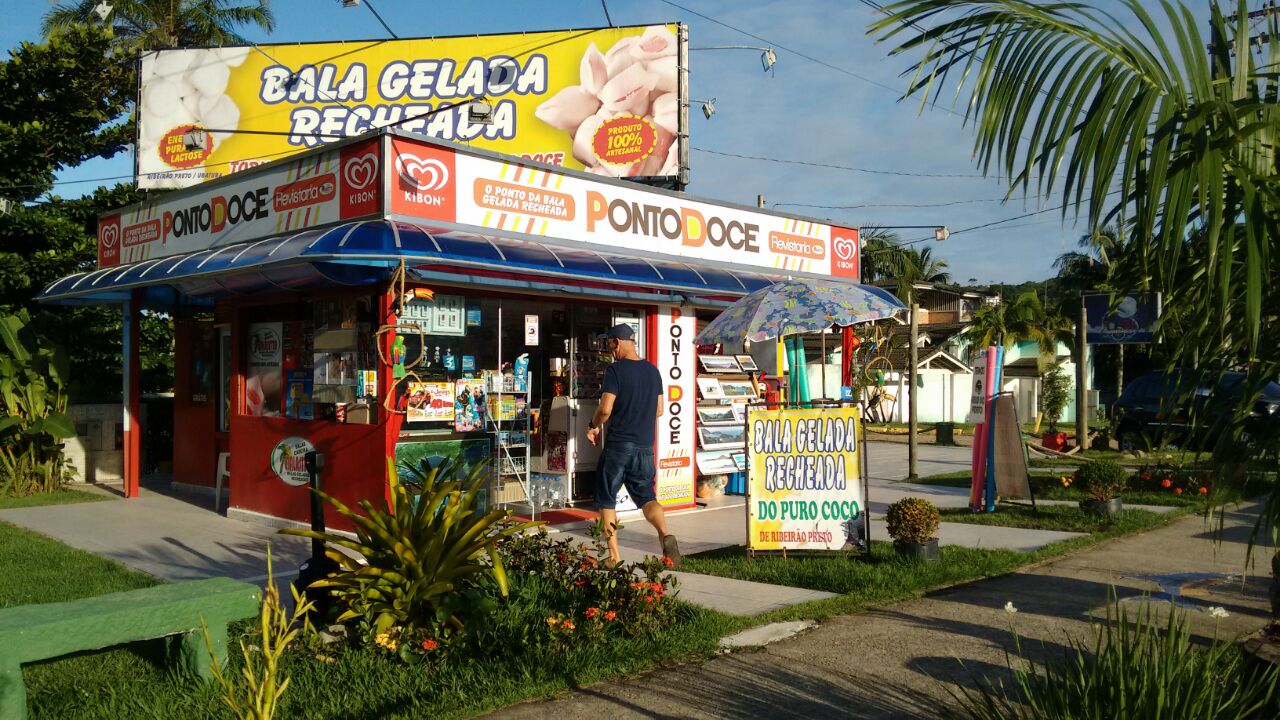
<point x="636" y="385"/>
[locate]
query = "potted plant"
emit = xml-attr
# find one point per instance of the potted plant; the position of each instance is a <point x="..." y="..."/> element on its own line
<point x="1102" y="482"/>
<point x="1055" y="389"/>
<point x="913" y="525"/>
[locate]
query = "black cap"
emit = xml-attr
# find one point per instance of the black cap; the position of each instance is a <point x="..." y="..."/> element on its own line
<point x="621" y="331"/>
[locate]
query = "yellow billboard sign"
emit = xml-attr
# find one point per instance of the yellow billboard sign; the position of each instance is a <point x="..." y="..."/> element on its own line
<point x="609" y="101"/>
<point x="804" y="489"/>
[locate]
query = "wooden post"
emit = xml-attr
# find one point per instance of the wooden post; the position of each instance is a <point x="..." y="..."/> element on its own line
<point x="1082" y="375"/>
<point x="912" y="421"/>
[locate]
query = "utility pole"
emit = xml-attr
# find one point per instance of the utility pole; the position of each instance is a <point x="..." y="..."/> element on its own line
<point x="1082" y="374"/>
<point x="912" y="422"/>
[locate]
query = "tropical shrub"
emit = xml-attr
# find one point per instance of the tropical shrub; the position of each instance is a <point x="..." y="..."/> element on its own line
<point x="912" y="520"/>
<point x="1055" y="388"/>
<point x="426" y="562"/>
<point x="33" y="410"/>
<point x="1134" y="669"/>
<point x="1102" y="479"/>
<point x="629" y="599"/>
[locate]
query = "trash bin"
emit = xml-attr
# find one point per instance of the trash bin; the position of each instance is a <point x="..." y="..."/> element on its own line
<point x="945" y="433"/>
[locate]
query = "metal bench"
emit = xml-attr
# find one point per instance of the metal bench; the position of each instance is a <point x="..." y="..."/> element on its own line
<point x="39" y="632"/>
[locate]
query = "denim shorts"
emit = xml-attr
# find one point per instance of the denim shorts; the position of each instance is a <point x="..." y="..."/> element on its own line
<point x="629" y="464"/>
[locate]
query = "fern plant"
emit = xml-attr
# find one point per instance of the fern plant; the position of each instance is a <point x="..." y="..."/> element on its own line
<point x="420" y="558"/>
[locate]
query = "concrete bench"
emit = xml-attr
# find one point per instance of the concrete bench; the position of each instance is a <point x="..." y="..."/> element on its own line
<point x="39" y="632"/>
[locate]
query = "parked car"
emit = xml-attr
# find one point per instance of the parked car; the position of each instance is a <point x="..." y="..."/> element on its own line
<point x="1171" y="407"/>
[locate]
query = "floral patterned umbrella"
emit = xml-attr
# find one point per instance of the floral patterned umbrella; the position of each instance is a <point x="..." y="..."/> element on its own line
<point x="792" y="307"/>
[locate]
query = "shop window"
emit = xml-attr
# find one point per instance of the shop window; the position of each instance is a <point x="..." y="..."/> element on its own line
<point x="313" y="361"/>
<point x="445" y="339"/>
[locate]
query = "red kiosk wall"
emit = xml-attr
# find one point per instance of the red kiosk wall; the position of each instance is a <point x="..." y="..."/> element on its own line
<point x="354" y="465"/>
<point x="354" y="455"/>
<point x="195" y="451"/>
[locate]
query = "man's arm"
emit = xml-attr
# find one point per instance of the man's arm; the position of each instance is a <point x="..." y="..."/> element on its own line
<point x="660" y="410"/>
<point x="601" y="416"/>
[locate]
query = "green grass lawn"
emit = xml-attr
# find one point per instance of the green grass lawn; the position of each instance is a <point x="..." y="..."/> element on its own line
<point x="1047" y="487"/>
<point x="61" y="497"/>
<point x="883" y="577"/>
<point x="134" y="681"/>
<point x="1068" y="518"/>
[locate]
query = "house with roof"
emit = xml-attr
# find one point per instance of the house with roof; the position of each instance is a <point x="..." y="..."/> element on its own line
<point x="945" y="368"/>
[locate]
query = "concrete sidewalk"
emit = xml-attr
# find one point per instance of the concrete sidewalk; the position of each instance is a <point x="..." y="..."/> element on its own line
<point x="899" y="661"/>
<point x="176" y="536"/>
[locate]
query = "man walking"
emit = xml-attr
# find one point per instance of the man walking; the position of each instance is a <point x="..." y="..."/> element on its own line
<point x="631" y="402"/>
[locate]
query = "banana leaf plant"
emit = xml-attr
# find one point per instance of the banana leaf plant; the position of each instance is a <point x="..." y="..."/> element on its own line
<point x="418" y="559"/>
<point x="33" y="410"/>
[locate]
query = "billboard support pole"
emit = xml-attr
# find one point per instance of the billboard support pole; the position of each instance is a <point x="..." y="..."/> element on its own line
<point x="682" y="102"/>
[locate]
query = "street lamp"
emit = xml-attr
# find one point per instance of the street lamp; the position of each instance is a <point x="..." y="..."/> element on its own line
<point x="940" y="232"/>
<point x="708" y="107"/>
<point x="768" y="58"/>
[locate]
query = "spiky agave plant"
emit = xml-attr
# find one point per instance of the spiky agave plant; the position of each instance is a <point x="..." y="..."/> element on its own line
<point x="417" y="556"/>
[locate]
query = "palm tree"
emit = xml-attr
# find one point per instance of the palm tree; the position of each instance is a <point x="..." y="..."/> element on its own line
<point x="155" y="24"/>
<point x="1127" y="117"/>
<point x="1025" y="319"/>
<point x="885" y="258"/>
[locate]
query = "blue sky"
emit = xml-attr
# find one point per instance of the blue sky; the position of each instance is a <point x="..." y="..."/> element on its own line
<point x="804" y="111"/>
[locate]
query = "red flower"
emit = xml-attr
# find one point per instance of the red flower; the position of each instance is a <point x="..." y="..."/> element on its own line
<point x="1177" y="491"/>
<point x="1204" y="490"/>
<point x="591" y="612"/>
<point x="579" y="583"/>
<point x="610" y="615"/>
<point x="1146" y="475"/>
<point x="648" y="598"/>
<point x="1166" y="483"/>
<point x="429" y="644"/>
<point x="668" y="561"/>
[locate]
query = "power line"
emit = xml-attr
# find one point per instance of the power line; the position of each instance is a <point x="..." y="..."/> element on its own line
<point x="607" y="19"/>
<point x="797" y="53"/>
<point x="871" y="171"/>
<point x="885" y="205"/>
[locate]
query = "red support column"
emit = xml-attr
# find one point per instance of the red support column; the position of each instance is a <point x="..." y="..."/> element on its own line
<point x="391" y="422"/>
<point x="131" y="395"/>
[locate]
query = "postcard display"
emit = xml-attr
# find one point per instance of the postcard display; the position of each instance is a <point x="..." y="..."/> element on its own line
<point x="725" y="388"/>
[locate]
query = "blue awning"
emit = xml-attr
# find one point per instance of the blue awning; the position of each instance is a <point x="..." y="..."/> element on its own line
<point x="365" y="253"/>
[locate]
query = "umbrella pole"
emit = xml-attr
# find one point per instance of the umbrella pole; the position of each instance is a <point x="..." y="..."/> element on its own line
<point x="822" y="369"/>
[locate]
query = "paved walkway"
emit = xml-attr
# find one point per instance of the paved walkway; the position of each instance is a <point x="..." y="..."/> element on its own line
<point x="899" y="661"/>
<point x="176" y="537"/>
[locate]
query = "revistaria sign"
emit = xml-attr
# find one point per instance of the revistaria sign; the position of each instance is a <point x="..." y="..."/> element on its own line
<point x="606" y="100"/>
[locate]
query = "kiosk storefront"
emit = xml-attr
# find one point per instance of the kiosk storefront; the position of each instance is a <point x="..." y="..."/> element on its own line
<point x="393" y="295"/>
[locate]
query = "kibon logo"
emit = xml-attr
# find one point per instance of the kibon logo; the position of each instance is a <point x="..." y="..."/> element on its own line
<point x="844" y="253"/>
<point x="109" y="236"/>
<point x="845" y="249"/>
<point x="425" y="175"/>
<point x="360" y="171"/>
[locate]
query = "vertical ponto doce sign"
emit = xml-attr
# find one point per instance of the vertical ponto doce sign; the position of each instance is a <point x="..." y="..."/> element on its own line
<point x="607" y="100"/>
<point x="805" y="486"/>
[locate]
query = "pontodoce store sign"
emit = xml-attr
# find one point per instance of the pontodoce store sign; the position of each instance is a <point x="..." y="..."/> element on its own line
<point x="411" y="179"/>
<point x="337" y="185"/>
<point x="437" y="183"/>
